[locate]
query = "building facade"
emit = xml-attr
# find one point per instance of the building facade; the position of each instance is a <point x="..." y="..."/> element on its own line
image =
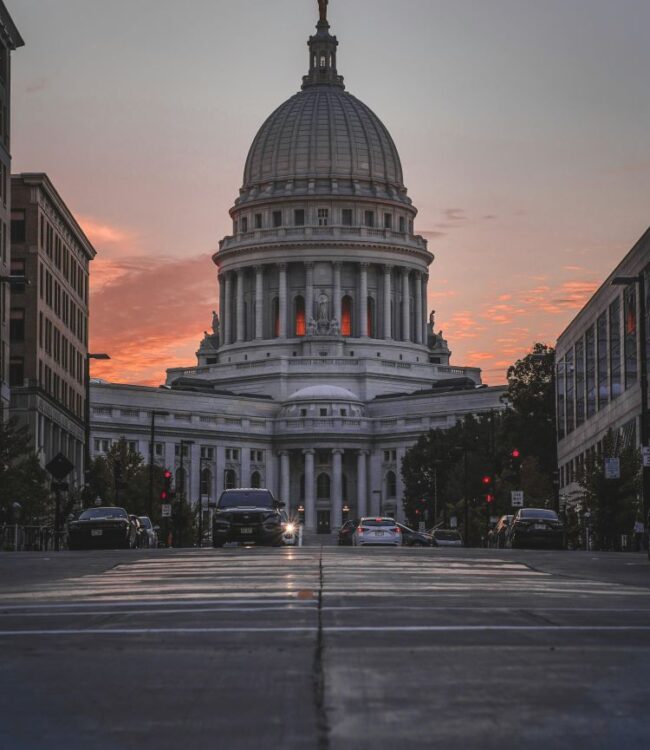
<point x="10" y="40"/>
<point x="49" y="320"/>
<point x="598" y="370"/>
<point x="323" y="364"/>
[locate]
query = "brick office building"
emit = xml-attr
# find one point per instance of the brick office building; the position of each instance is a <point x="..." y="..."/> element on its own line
<point x="10" y="40"/>
<point x="49" y="320"/>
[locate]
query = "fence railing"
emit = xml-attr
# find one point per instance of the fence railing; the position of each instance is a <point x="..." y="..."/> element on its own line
<point x="15" y="538"/>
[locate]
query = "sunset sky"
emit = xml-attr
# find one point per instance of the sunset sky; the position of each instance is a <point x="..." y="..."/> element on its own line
<point x="523" y="127"/>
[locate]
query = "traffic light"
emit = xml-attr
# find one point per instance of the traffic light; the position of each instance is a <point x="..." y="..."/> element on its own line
<point x="515" y="460"/>
<point x="488" y="489"/>
<point x="166" y="492"/>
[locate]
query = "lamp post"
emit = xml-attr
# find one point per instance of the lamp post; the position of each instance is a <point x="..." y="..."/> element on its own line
<point x="89" y="356"/>
<point x="202" y="460"/>
<point x="181" y="501"/>
<point x="639" y="281"/>
<point x="152" y="436"/>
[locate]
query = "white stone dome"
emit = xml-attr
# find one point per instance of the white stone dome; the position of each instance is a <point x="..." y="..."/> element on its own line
<point x="323" y="392"/>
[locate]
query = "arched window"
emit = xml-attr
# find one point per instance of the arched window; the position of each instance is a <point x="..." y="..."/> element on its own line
<point x="299" y="308"/>
<point x="346" y="316"/>
<point x="323" y="60"/>
<point x="371" y="318"/>
<point x="323" y="491"/>
<point x="181" y="481"/>
<point x="229" y="479"/>
<point x="256" y="480"/>
<point x="206" y="482"/>
<point x="276" y="317"/>
<point x="391" y="484"/>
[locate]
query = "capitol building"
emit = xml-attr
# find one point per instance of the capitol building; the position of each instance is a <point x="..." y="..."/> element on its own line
<point x="323" y="365"/>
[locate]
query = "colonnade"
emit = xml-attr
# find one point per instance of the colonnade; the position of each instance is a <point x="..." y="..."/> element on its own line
<point x="401" y="285"/>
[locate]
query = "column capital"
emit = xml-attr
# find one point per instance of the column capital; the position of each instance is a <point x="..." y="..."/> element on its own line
<point x="388" y="269"/>
<point x="337" y="264"/>
<point x="405" y="271"/>
<point x="364" y="265"/>
<point x="309" y="452"/>
<point x="363" y="452"/>
<point x="259" y="268"/>
<point x="282" y="266"/>
<point x="338" y="451"/>
<point x="283" y="453"/>
<point x="309" y="265"/>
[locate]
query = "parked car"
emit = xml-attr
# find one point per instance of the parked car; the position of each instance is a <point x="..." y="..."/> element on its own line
<point x="346" y="532"/>
<point x="250" y="516"/>
<point x="412" y="538"/>
<point x="447" y="538"/>
<point x="498" y="535"/>
<point x="290" y="530"/>
<point x="150" y="535"/>
<point x="536" y="527"/>
<point x="102" y="528"/>
<point x="377" y="531"/>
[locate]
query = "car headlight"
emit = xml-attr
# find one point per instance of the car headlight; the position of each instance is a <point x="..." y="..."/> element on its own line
<point x="290" y="528"/>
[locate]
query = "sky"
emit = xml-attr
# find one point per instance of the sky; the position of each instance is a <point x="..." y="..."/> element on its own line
<point x="522" y="128"/>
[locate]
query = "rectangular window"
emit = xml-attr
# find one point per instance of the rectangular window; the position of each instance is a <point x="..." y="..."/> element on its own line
<point x="386" y="456"/>
<point x="323" y="217"/>
<point x="388" y="221"/>
<point x="590" y="361"/>
<point x="132" y="446"/>
<point x="17" y="268"/>
<point x="369" y="218"/>
<point x="207" y="453"/>
<point x="402" y="224"/>
<point x="16" y="371"/>
<point x="17" y="326"/>
<point x="159" y="449"/>
<point x="580" y="382"/>
<point x="258" y="221"/>
<point x="244" y="224"/>
<point x="570" y="392"/>
<point x="18" y="226"/>
<point x="346" y="217"/>
<point x="299" y="217"/>
<point x="615" y="348"/>
<point x="630" y="338"/>
<point x="277" y="219"/>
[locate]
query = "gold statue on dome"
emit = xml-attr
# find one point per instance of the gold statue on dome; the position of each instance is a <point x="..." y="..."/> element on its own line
<point x="322" y="5"/>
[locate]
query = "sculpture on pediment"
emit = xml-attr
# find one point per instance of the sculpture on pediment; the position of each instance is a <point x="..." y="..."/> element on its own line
<point x="311" y="327"/>
<point x="432" y="319"/>
<point x="322" y="7"/>
<point x="323" y="308"/>
<point x="335" y="328"/>
<point x="216" y="325"/>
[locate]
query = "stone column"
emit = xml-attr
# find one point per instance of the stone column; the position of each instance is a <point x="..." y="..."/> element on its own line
<point x="425" y="305"/>
<point x="259" y="302"/>
<point x="241" y="329"/>
<point x="337" y="489"/>
<point x="222" y="308"/>
<point x="406" y="306"/>
<point x="310" y="491"/>
<point x="228" y="322"/>
<point x="337" y="292"/>
<point x="285" y="469"/>
<point x="283" y="300"/>
<point x="362" y="484"/>
<point x="309" y="292"/>
<point x="418" y="307"/>
<point x="363" y="302"/>
<point x="376" y="483"/>
<point x="245" y="479"/>
<point x="388" y="292"/>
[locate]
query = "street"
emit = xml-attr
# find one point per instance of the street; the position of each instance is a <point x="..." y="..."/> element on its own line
<point x="324" y="648"/>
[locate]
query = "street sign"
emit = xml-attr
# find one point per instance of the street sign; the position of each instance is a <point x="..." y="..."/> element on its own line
<point x="517" y="498"/>
<point x="422" y="526"/>
<point x="646" y="456"/>
<point x="166" y="510"/>
<point x="453" y="522"/>
<point x="612" y="468"/>
<point x="59" y="467"/>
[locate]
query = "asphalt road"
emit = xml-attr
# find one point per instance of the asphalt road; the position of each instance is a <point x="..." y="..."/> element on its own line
<point x="324" y="648"/>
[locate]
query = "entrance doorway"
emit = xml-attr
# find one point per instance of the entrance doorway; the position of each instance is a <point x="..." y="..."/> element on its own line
<point x="323" y="522"/>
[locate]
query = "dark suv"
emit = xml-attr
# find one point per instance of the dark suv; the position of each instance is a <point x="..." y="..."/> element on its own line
<point x="251" y="516"/>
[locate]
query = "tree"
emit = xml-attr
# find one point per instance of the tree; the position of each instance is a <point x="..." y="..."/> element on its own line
<point x="22" y="479"/>
<point x="614" y="503"/>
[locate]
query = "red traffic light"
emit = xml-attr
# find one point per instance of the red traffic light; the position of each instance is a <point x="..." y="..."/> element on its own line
<point x="168" y="474"/>
<point x="489" y="499"/>
<point x="516" y="453"/>
<point x="487" y="480"/>
<point x="163" y="496"/>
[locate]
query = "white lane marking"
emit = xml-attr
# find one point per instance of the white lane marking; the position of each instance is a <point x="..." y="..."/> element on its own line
<point x="157" y="603"/>
<point x="178" y="611"/>
<point x="338" y="629"/>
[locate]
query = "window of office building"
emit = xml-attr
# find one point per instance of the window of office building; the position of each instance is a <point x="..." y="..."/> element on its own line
<point x="603" y="361"/>
<point x="590" y="365"/>
<point x="391" y="484"/>
<point x="570" y="392"/>
<point x="615" y="348"/>
<point x="561" y="398"/>
<point x="16" y="371"/>
<point x="207" y="453"/>
<point x="631" y="363"/>
<point x="18" y="225"/>
<point x="17" y="326"/>
<point x="580" y="382"/>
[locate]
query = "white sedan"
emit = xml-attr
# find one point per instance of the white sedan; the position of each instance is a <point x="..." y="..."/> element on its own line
<point x="377" y="531"/>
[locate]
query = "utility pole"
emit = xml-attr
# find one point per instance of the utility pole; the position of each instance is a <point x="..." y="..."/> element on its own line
<point x="152" y="439"/>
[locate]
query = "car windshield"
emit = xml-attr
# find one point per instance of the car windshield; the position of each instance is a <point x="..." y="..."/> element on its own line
<point x="447" y="536"/>
<point x="377" y="522"/>
<point x="246" y="499"/>
<point x="144" y="521"/>
<point x="92" y="513"/>
<point x="546" y="515"/>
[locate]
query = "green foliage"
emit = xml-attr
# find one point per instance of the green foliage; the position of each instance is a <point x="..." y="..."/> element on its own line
<point x="22" y="479"/>
<point x="614" y="503"/>
<point x="121" y="478"/>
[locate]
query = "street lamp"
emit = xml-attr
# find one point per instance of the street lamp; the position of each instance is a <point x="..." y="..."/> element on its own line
<point x="203" y="460"/>
<point x="152" y="437"/>
<point x="639" y="280"/>
<point x="87" y="413"/>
